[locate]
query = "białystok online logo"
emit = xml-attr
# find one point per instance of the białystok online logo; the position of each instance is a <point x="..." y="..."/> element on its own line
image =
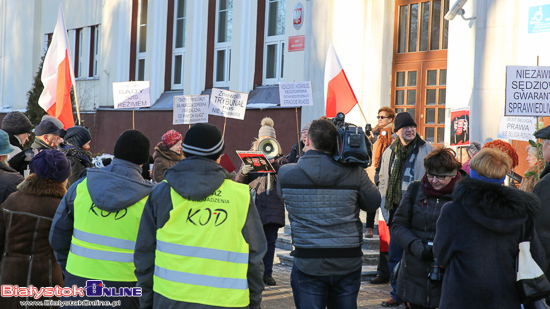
<point x="93" y="288"/>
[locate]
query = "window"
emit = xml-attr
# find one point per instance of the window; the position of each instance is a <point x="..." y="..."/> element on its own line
<point x="274" y="42"/>
<point x="222" y="45"/>
<point x="94" y="50"/>
<point x="141" y="40"/>
<point x="178" y="44"/>
<point x="47" y="40"/>
<point x="78" y="47"/>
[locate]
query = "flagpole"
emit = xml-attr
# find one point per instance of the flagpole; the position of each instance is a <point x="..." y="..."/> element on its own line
<point x="77" y="108"/>
<point x="298" y="130"/>
<point x="361" y="110"/>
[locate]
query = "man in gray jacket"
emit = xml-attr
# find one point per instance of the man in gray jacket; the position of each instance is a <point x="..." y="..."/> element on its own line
<point x="323" y="199"/>
<point x="201" y="241"/>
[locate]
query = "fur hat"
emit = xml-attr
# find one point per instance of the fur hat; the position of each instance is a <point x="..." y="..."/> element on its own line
<point x="16" y="123"/>
<point x="403" y="119"/>
<point x="133" y="146"/>
<point x="267" y="128"/>
<point x="203" y="140"/>
<point x="77" y="136"/>
<point x="171" y="138"/>
<point x="51" y="164"/>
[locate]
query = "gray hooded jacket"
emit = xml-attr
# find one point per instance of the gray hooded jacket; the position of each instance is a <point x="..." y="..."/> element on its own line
<point x="194" y="178"/>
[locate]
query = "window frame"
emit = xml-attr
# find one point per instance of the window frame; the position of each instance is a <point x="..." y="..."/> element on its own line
<point x="178" y="51"/>
<point x="94" y="51"/>
<point x="78" y="53"/>
<point x="141" y="56"/>
<point x="279" y="42"/>
<point x="222" y="46"/>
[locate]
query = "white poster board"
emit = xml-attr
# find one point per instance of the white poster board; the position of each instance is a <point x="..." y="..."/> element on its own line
<point x="294" y="94"/>
<point x="131" y="94"/>
<point x="189" y="109"/>
<point x="527" y="91"/>
<point x="230" y="104"/>
<point x="517" y="128"/>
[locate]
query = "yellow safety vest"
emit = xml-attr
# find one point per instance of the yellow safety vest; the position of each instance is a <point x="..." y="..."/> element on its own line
<point x="102" y="246"/>
<point x="202" y="256"/>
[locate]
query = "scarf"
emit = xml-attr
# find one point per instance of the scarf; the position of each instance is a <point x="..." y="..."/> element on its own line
<point x="475" y="175"/>
<point x="393" y="194"/>
<point x="431" y="191"/>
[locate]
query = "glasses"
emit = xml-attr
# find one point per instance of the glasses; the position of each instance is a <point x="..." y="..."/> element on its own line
<point x="382" y="117"/>
<point x="439" y="177"/>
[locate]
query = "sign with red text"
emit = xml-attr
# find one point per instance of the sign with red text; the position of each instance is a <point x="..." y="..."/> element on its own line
<point x="460" y="126"/>
<point x="296" y="43"/>
<point x="230" y="104"/>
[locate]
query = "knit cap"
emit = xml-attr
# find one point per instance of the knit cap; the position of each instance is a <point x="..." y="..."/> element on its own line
<point x="203" y="140"/>
<point x="171" y="138"/>
<point x="267" y="128"/>
<point x="505" y="147"/>
<point x="51" y="164"/>
<point x="133" y="146"/>
<point x="403" y="119"/>
<point x="5" y="147"/>
<point x="16" y="123"/>
<point x="77" y="136"/>
<point x="306" y="126"/>
<point x="473" y="148"/>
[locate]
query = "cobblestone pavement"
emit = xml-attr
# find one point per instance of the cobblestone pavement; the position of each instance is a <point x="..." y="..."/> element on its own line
<point x="280" y="296"/>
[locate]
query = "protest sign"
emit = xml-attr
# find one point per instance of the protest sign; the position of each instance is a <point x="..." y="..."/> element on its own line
<point x="517" y="128"/>
<point x="189" y="109"/>
<point x="527" y="91"/>
<point x="228" y="104"/>
<point x="295" y="94"/>
<point x="460" y="126"/>
<point x="257" y="159"/>
<point x="131" y="94"/>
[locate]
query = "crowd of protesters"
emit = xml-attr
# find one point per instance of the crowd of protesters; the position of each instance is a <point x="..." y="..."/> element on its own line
<point x="190" y="234"/>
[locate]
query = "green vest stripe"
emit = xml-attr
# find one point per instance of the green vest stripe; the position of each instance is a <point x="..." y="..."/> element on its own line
<point x="104" y="240"/>
<point x="205" y="253"/>
<point x="102" y="255"/>
<point x="204" y="280"/>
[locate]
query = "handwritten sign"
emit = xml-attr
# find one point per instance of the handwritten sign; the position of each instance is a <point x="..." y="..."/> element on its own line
<point x="517" y="128"/>
<point x="527" y="91"/>
<point x="190" y="109"/>
<point x="228" y="104"/>
<point x="295" y="94"/>
<point x="132" y="94"/>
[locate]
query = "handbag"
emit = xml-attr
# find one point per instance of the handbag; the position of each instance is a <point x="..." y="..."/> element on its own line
<point x="531" y="282"/>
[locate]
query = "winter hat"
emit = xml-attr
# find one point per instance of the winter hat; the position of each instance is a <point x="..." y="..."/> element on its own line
<point x="133" y="146"/>
<point x="267" y="128"/>
<point x="16" y="123"/>
<point x="46" y="126"/>
<point x="306" y="126"/>
<point x="505" y="147"/>
<point x="171" y="138"/>
<point x="51" y="164"/>
<point x="77" y="136"/>
<point x="403" y="119"/>
<point x="56" y="121"/>
<point x="473" y="148"/>
<point x="203" y="140"/>
<point x="5" y="147"/>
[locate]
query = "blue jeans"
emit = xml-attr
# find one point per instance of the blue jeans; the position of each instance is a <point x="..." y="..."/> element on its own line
<point x="395" y="254"/>
<point x="337" y="291"/>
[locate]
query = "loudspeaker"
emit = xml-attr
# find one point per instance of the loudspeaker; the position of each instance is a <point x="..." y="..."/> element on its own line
<point x="269" y="147"/>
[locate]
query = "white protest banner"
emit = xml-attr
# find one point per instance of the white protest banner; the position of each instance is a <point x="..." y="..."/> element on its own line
<point x="227" y="103"/>
<point x="294" y="94"/>
<point x="517" y="128"/>
<point x="189" y="109"/>
<point x="131" y="94"/>
<point x="527" y="91"/>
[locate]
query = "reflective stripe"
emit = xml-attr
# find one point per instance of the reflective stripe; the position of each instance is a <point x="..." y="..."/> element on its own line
<point x="204" y="280"/>
<point x="104" y="240"/>
<point x="102" y="255"/>
<point x="205" y="253"/>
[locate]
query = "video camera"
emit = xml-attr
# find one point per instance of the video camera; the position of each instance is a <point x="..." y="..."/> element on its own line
<point x="353" y="145"/>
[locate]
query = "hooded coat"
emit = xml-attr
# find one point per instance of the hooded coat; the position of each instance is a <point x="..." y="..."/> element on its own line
<point x="477" y="240"/>
<point x="24" y="227"/>
<point x="163" y="160"/>
<point x="194" y="178"/>
<point x="113" y="188"/>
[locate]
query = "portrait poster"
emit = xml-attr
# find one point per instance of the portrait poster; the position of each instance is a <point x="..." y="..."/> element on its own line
<point x="460" y="126"/>
<point x="257" y="159"/>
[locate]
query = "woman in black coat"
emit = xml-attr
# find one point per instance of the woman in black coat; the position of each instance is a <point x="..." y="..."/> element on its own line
<point x="478" y="235"/>
<point x="413" y="227"/>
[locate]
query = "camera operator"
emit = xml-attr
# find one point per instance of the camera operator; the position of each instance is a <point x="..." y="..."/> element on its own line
<point x="323" y="199"/>
<point x="413" y="227"/>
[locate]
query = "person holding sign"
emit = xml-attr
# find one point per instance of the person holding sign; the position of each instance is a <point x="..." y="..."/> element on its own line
<point x="167" y="154"/>
<point x="268" y="202"/>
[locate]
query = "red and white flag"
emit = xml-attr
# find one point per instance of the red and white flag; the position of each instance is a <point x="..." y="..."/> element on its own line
<point x="58" y="75"/>
<point x="339" y="96"/>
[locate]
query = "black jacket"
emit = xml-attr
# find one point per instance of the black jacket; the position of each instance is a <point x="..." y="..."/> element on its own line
<point x="296" y="153"/>
<point x="477" y="241"/>
<point x="9" y="179"/>
<point x="542" y="190"/>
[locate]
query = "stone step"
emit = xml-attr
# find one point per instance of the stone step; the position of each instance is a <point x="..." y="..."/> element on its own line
<point x="284" y="241"/>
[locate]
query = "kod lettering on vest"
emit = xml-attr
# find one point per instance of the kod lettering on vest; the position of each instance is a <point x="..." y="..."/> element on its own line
<point x="104" y="213"/>
<point x="204" y="216"/>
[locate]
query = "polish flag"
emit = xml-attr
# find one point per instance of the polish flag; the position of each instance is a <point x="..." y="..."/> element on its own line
<point x="58" y="76"/>
<point x="338" y="93"/>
